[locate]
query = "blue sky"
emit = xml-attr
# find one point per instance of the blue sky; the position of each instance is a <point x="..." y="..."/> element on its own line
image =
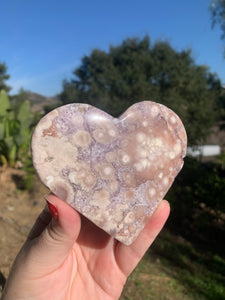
<point x="43" y="41"/>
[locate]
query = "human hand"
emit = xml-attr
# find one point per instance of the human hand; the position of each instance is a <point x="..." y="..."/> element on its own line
<point x="67" y="257"/>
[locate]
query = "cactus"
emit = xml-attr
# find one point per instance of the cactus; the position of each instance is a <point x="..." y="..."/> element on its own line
<point x="25" y="119"/>
<point x="14" y="131"/>
<point x="2" y="128"/>
<point x="4" y="103"/>
<point x="24" y="114"/>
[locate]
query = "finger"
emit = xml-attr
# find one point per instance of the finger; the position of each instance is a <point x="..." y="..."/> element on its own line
<point x="55" y="242"/>
<point x="127" y="257"/>
<point x="41" y="223"/>
<point x="92" y="236"/>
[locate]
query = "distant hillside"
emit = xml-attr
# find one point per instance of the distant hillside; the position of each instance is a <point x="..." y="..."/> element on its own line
<point x="38" y="102"/>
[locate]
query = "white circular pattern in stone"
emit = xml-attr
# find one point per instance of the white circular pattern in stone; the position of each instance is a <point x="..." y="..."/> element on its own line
<point x="113" y="171"/>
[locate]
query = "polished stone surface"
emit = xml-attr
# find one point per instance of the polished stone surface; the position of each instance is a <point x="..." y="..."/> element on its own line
<point x="113" y="171"/>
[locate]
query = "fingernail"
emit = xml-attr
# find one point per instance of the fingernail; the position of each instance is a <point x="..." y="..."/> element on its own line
<point x="53" y="210"/>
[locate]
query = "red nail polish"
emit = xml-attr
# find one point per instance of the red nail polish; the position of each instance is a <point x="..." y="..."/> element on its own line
<point x="53" y="210"/>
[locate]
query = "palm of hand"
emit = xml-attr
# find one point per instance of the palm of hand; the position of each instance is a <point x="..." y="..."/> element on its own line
<point x="97" y="266"/>
<point x="64" y="262"/>
<point x="91" y="270"/>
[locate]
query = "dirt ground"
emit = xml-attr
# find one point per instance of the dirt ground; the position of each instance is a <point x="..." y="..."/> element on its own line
<point x="18" y="212"/>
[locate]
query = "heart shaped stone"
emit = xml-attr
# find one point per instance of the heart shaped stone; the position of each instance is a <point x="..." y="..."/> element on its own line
<point x="113" y="171"/>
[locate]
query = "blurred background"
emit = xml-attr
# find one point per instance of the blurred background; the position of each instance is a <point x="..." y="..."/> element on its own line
<point x="111" y="55"/>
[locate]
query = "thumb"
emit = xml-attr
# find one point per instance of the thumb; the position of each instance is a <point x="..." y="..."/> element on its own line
<point x="55" y="242"/>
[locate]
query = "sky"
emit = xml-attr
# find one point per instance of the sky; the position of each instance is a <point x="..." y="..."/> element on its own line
<point x="43" y="41"/>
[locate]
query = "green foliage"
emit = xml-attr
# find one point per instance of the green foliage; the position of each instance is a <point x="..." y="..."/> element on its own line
<point x="4" y="103"/>
<point x="29" y="179"/>
<point x="3" y="77"/>
<point x="197" y="197"/>
<point x="136" y="71"/>
<point x="200" y="271"/>
<point x="14" y="131"/>
<point x="179" y="269"/>
<point x="221" y="160"/>
<point x="48" y="108"/>
<point x="25" y="119"/>
<point x="17" y="100"/>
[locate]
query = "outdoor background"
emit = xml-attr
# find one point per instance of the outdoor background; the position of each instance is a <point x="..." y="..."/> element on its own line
<point x="112" y="55"/>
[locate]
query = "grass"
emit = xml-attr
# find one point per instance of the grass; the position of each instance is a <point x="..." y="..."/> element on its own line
<point x="174" y="269"/>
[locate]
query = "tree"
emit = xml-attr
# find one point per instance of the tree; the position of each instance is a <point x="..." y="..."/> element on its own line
<point x="135" y="71"/>
<point x="3" y="77"/>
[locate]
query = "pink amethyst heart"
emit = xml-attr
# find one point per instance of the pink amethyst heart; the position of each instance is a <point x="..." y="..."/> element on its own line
<point x="113" y="171"/>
